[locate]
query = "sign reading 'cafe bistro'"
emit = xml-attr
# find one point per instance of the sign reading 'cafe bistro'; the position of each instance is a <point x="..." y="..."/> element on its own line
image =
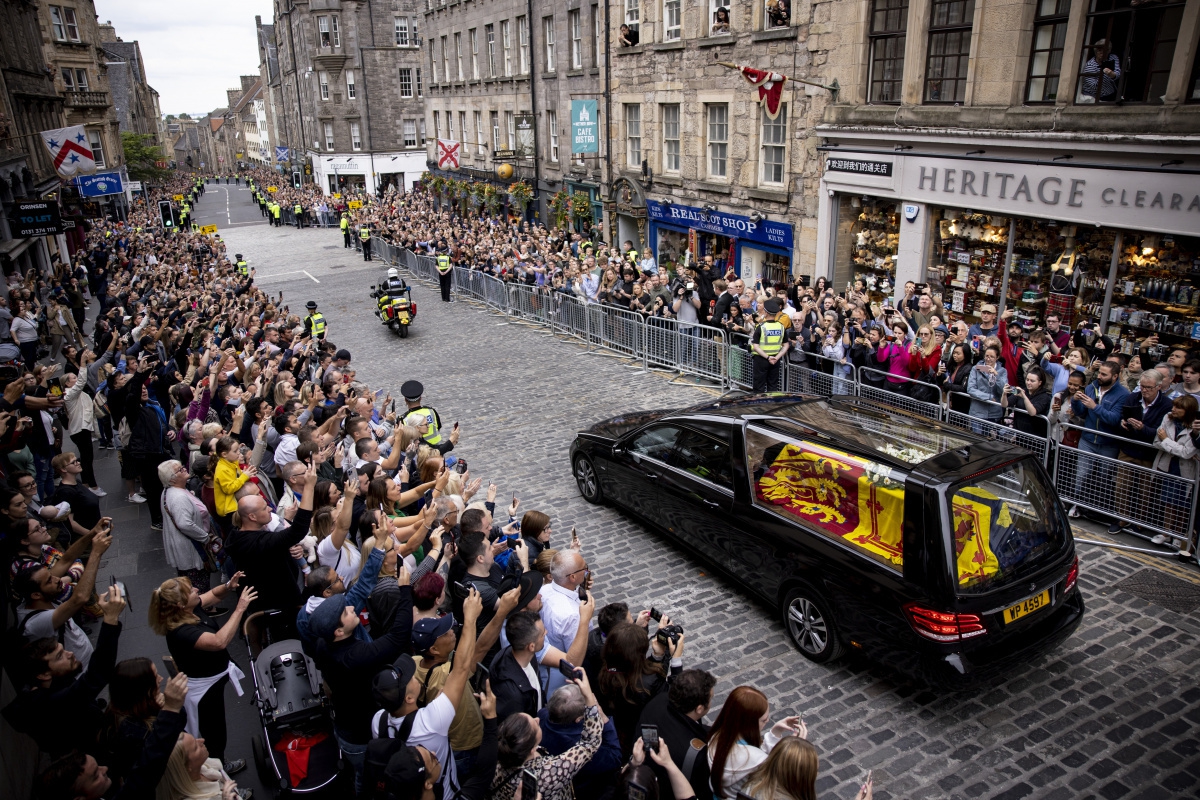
<point x="1151" y="201"/>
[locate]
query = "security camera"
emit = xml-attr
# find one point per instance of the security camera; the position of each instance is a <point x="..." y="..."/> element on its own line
<point x="755" y="217"/>
<point x="831" y="192"/>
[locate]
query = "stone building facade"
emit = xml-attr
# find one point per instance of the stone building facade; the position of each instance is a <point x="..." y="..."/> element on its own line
<point x="699" y="166"/>
<point x="29" y="104"/>
<point x="271" y="117"/>
<point x="135" y="102"/>
<point x="501" y="85"/>
<point x="74" y="52"/>
<point x="351" y="91"/>
<point x="997" y="150"/>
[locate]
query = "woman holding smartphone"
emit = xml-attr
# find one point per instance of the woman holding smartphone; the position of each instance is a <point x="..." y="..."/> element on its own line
<point x="199" y="649"/>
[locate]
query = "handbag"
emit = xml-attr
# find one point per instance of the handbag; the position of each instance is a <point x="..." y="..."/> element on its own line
<point x="211" y="550"/>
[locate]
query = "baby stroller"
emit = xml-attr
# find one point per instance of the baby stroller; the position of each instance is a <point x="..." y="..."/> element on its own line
<point x="296" y="753"/>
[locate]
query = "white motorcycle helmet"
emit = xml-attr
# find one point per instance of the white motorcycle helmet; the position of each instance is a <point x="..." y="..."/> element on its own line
<point x="393" y="273"/>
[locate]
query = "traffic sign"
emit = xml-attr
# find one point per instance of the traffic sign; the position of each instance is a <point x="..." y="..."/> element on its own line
<point x="178" y="197"/>
<point x="208" y="229"/>
<point x="272" y="189"/>
<point x="354" y="204"/>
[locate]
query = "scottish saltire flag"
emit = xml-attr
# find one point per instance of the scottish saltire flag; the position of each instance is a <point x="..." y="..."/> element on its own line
<point x="70" y="150"/>
<point x="281" y="154"/>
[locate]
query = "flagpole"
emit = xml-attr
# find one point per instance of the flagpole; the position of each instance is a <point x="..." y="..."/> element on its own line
<point x="832" y="88"/>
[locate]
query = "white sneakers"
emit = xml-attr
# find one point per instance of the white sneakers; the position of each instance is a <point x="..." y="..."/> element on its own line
<point x="99" y="492"/>
<point x="135" y="498"/>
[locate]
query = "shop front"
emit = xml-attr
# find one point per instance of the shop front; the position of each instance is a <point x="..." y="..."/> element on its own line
<point x="343" y="173"/>
<point x="755" y="247"/>
<point x="1117" y="245"/>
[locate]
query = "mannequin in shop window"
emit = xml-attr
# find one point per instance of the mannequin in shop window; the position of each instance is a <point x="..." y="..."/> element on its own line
<point x="1066" y="276"/>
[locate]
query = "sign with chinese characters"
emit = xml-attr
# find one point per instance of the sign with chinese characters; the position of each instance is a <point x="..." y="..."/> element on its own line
<point x="585" y="127"/>
<point x="859" y="166"/>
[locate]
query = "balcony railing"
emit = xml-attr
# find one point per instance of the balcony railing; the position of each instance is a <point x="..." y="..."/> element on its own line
<point x="87" y="99"/>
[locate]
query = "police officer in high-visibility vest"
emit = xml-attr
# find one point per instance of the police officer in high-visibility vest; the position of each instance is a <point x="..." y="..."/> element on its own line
<point x="769" y="343"/>
<point x="314" y="323"/>
<point x="299" y="211"/>
<point x="243" y="269"/>
<point x="364" y="236"/>
<point x="425" y="419"/>
<point x="346" y="231"/>
<point x="275" y="210"/>
<point x="445" y="274"/>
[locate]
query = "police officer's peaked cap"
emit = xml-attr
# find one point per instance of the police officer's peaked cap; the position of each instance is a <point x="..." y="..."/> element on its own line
<point x="311" y="304"/>
<point x="412" y="390"/>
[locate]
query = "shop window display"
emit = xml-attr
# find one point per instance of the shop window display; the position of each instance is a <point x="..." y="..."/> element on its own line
<point x="672" y="245"/>
<point x="967" y="270"/>
<point x="868" y="237"/>
<point x="1157" y="292"/>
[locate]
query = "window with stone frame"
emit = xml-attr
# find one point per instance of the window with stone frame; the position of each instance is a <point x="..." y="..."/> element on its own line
<point x="670" y="123"/>
<point x="506" y="45"/>
<point x="355" y="136"/>
<point x="490" y="35"/>
<point x="410" y="132"/>
<point x="886" y="40"/>
<point x="949" y="51"/>
<point x="406" y="84"/>
<point x="97" y="143"/>
<point x="773" y="149"/>
<point x="633" y="135"/>
<point x="552" y="129"/>
<point x="717" y="122"/>
<point x="522" y="46"/>
<point x="672" y="19"/>
<point x="575" y="29"/>
<point x="458" y="60"/>
<point x="548" y="38"/>
<point x="402" y="41"/>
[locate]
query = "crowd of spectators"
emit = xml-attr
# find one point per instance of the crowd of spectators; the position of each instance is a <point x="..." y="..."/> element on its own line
<point x="1046" y="382"/>
<point x="460" y="639"/>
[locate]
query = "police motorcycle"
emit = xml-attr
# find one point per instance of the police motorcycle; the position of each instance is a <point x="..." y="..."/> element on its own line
<point x="395" y="306"/>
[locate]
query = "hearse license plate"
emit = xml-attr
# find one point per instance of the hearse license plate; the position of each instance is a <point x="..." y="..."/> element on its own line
<point x="1027" y="606"/>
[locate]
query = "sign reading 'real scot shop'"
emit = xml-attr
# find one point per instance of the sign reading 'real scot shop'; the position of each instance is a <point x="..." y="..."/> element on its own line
<point x="734" y="226"/>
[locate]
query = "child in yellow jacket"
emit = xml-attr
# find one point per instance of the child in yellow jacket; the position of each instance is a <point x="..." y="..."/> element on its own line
<point x="228" y="477"/>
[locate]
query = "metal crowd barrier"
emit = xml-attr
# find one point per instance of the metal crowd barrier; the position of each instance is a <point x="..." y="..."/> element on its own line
<point x="1100" y="481"/>
<point x="988" y="426"/>
<point x="1151" y="499"/>
<point x="896" y="391"/>
<point x="819" y="374"/>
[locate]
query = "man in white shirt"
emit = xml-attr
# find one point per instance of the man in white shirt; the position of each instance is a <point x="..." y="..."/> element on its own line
<point x="287" y="425"/>
<point x="397" y="690"/>
<point x="561" y="606"/>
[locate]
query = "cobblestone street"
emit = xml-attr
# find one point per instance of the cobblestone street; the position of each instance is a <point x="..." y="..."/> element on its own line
<point x="1112" y="713"/>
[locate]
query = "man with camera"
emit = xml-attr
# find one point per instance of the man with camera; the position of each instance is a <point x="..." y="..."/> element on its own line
<point x="567" y="606"/>
<point x="686" y="307"/>
<point x="678" y="716"/>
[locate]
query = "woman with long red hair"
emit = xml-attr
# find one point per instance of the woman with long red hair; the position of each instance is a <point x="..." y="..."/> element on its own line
<point x="737" y="745"/>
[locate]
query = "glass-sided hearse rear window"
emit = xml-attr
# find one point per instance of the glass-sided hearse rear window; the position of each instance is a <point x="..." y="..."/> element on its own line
<point x="846" y="497"/>
<point x="1005" y="524"/>
<point x="875" y="429"/>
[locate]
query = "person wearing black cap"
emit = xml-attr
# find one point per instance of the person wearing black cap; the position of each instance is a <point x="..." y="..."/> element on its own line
<point x="769" y="344"/>
<point x="419" y="416"/>
<point x="398" y="691"/>
<point x="348" y="663"/>
<point x="314" y="323"/>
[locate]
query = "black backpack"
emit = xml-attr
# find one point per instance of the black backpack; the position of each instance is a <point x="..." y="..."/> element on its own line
<point x="379" y="752"/>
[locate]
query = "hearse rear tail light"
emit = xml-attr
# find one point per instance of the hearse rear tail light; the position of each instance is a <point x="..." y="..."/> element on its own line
<point x="943" y="626"/>
<point x="1072" y="577"/>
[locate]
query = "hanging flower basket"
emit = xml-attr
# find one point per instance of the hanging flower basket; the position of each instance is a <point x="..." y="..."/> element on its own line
<point x="522" y="194"/>
<point x="560" y="208"/>
<point x="581" y="208"/>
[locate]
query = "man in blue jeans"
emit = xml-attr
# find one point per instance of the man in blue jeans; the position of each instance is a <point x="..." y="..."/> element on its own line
<point x="1100" y="405"/>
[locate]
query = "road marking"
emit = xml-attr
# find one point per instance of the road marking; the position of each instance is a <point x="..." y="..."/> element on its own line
<point x="306" y="272"/>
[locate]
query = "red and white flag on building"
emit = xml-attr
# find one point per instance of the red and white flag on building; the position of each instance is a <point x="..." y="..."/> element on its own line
<point x="768" y="84"/>
<point x="447" y="153"/>
<point x="70" y="150"/>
